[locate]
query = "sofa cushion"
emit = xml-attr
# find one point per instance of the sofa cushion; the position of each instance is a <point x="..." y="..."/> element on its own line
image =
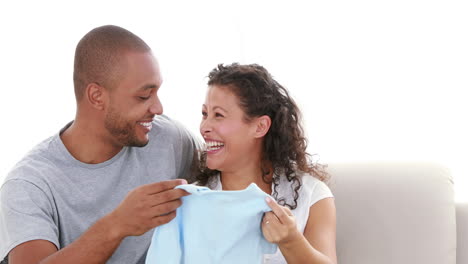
<point x="394" y="213"/>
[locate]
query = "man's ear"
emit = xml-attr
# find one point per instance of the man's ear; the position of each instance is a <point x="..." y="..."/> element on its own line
<point x="263" y="124"/>
<point x="95" y="95"/>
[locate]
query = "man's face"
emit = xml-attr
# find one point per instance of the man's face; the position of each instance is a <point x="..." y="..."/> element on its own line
<point x="134" y="101"/>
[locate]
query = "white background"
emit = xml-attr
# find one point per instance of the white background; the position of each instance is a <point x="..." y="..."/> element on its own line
<point x="376" y="80"/>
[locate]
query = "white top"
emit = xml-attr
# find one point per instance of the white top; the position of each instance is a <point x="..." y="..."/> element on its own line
<point x="311" y="191"/>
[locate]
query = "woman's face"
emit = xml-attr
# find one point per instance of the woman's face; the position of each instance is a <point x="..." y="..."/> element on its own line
<point x="230" y="139"/>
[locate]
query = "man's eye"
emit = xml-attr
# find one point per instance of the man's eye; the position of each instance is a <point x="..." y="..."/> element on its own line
<point x="144" y="97"/>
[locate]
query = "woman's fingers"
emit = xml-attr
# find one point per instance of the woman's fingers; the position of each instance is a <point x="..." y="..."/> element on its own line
<point x="279" y="210"/>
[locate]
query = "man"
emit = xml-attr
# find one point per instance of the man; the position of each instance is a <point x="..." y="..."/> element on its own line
<point x="91" y="193"/>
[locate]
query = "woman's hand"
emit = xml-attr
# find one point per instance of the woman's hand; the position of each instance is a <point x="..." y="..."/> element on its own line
<point x="279" y="225"/>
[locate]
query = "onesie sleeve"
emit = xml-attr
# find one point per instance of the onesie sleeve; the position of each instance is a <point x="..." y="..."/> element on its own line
<point x="165" y="244"/>
<point x="26" y="213"/>
<point x="268" y="248"/>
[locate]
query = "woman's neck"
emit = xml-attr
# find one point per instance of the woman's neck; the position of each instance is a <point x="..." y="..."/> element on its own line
<point x="241" y="178"/>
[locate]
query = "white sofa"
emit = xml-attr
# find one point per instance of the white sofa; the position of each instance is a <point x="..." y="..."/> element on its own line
<point x="398" y="213"/>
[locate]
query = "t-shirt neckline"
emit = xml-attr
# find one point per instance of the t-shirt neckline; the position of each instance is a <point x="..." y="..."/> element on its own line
<point x="68" y="157"/>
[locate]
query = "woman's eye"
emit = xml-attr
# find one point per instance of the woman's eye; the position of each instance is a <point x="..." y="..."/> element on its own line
<point x="204" y="113"/>
<point x="219" y="115"/>
<point x="144" y="97"/>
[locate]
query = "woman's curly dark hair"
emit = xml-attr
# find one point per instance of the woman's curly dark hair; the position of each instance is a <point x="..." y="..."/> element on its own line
<point x="284" y="144"/>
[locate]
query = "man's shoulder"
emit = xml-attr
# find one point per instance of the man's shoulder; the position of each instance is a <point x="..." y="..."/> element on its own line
<point x="36" y="162"/>
<point x="166" y="124"/>
<point x="168" y="129"/>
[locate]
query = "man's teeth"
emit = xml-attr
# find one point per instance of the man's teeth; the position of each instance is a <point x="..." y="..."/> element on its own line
<point x="213" y="145"/>
<point x="145" y="124"/>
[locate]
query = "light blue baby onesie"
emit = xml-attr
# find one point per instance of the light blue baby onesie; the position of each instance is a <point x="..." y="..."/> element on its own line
<point x="213" y="227"/>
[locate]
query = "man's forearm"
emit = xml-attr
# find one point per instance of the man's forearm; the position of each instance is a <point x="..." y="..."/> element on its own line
<point x="143" y="209"/>
<point x="96" y="245"/>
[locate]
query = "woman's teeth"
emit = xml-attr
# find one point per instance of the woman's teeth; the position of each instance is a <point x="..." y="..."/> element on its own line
<point x="213" y="145"/>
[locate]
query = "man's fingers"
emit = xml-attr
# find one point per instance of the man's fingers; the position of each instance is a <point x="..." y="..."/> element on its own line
<point x="158" y="187"/>
<point x="165" y="208"/>
<point x="166" y="196"/>
<point x="163" y="219"/>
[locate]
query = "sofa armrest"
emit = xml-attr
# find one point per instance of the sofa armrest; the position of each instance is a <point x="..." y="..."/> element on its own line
<point x="462" y="233"/>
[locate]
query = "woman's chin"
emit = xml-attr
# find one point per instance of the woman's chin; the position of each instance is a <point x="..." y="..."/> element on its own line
<point x="212" y="164"/>
<point x="212" y="167"/>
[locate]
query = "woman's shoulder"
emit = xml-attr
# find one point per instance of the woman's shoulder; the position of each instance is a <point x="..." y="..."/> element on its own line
<point x="313" y="188"/>
<point x="310" y="181"/>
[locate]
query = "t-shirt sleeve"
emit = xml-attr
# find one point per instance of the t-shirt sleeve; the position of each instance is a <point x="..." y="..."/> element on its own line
<point x="25" y="214"/>
<point x="319" y="192"/>
<point x="189" y="146"/>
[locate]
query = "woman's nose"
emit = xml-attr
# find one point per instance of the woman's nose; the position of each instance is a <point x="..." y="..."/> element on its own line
<point x="205" y="126"/>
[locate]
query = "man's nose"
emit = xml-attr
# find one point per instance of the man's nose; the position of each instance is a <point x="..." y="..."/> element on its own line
<point x="156" y="107"/>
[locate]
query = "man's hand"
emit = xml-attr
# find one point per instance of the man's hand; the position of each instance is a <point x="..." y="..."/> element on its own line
<point x="146" y="207"/>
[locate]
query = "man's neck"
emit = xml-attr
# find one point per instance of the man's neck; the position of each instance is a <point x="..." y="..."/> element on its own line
<point x="87" y="144"/>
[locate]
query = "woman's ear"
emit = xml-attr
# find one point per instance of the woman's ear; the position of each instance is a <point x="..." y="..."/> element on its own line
<point x="263" y="124"/>
<point x="95" y="96"/>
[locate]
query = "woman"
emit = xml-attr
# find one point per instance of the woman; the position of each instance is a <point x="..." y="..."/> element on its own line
<point x="253" y="133"/>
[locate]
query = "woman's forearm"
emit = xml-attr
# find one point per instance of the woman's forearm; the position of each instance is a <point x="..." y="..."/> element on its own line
<point x="299" y="251"/>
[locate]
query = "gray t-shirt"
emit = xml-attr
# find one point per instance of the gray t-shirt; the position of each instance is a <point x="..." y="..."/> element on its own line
<point x="50" y="195"/>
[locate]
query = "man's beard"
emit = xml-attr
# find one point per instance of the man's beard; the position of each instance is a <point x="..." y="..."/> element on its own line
<point x="122" y="130"/>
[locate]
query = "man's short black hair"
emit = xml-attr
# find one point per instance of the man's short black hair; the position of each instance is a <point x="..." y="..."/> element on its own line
<point x="98" y="55"/>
